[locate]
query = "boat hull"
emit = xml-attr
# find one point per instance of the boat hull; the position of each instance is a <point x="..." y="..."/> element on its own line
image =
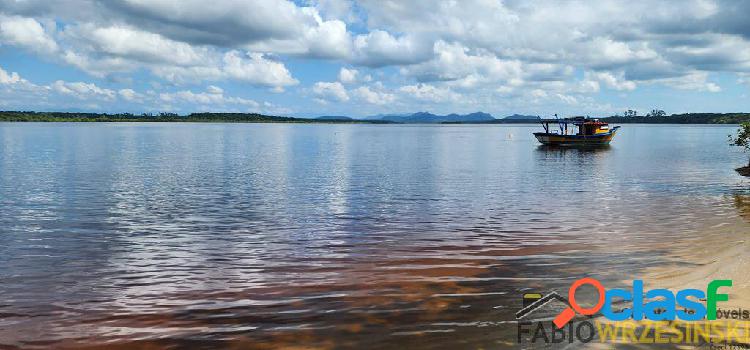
<point x="576" y="140"/>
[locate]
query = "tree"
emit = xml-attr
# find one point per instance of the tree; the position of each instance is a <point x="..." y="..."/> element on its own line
<point x="656" y="113"/>
<point x="630" y="113"/>
<point x="742" y="139"/>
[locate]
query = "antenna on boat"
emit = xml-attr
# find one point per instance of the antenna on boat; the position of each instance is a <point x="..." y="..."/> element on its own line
<point x="559" y="123"/>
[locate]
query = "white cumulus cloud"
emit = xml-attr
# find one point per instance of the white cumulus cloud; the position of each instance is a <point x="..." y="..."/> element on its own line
<point x="348" y="76"/>
<point x="9" y="78"/>
<point x="374" y="96"/>
<point x="330" y="91"/>
<point x="27" y="33"/>
<point x="82" y="90"/>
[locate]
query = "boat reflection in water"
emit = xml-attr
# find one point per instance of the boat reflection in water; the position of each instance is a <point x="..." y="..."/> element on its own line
<point x="555" y="149"/>
<point x="573" y="158"/>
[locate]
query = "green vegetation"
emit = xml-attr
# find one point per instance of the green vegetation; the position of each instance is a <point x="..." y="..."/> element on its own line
<point x="659" y="117"/>
<point x="742" y="140"/>
<point x="9" y="116"/>
<point x="656" y="113"/>
<point x="654" y="117"/>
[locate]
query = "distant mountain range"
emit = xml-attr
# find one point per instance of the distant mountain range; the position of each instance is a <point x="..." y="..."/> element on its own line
<point x="427" y="117"/>
<point x="473" y="118"/>
<point x="334" y="117"/>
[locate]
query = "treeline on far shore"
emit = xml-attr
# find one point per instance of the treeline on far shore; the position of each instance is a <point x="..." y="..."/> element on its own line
<point x="28" y="116"/>
<point x="685" y="118"/>
<point x="14" y="116"/>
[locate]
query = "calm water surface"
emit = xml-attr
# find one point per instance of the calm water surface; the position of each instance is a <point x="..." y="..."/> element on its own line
<point x="330" y="236"/>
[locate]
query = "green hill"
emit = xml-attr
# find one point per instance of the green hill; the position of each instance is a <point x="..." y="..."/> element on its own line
<point x="13" y="116"/>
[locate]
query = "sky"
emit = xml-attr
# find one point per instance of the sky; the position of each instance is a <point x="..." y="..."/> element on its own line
<point x="363" y="58"/>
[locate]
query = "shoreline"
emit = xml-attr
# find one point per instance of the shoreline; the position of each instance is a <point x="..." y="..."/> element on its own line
<point x="31" y="116"/>
<point x="328" y="122"/>
<point x="719" y="253"/>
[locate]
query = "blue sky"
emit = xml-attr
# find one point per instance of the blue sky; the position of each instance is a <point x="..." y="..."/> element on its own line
<point x="361" y="58"/>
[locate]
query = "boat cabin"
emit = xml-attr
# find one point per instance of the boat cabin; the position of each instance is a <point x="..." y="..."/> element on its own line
<point x="576" y="126"/>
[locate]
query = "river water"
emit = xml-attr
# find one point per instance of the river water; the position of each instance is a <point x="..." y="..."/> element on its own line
<point x="267" y="236"/>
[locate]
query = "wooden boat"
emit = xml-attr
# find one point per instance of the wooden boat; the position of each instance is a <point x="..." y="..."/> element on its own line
<point x="576" y="131"/>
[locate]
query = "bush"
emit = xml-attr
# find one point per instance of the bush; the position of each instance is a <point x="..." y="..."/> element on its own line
<point x="742" y="139"/>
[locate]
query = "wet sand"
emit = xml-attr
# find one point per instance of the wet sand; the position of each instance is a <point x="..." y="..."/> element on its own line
<point x="720" y="252"/>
